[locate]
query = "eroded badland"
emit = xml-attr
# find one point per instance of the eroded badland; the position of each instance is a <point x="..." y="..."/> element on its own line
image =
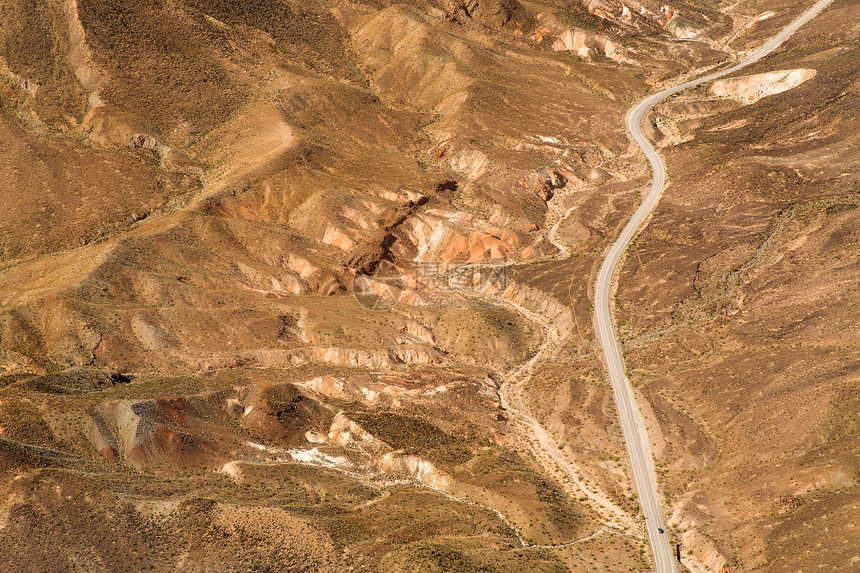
<point x="307" y="286"/>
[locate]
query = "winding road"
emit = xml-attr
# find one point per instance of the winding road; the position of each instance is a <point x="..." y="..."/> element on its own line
<point x="633" y="427"/>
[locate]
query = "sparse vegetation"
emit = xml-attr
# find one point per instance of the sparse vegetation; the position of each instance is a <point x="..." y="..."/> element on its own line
<point x="192" y="376"/>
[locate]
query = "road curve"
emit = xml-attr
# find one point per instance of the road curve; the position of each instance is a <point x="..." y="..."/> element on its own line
<point x="635" y="435"/>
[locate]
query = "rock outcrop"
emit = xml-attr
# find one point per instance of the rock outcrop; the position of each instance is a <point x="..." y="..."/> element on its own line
<point x="584" y="44"/>
<point x="750" y="89"/>
<point x="494" y="13"/>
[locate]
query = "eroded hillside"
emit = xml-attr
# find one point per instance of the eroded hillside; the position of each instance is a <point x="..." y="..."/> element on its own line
<point x="740" y="308"/>
<point x="306" y="285"/>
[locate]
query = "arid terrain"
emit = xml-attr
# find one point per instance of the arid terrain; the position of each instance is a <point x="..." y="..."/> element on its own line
<point x="308" y="286"/>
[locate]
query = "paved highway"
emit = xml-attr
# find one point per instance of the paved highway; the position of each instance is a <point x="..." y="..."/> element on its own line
<point x="638" y="446"/>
